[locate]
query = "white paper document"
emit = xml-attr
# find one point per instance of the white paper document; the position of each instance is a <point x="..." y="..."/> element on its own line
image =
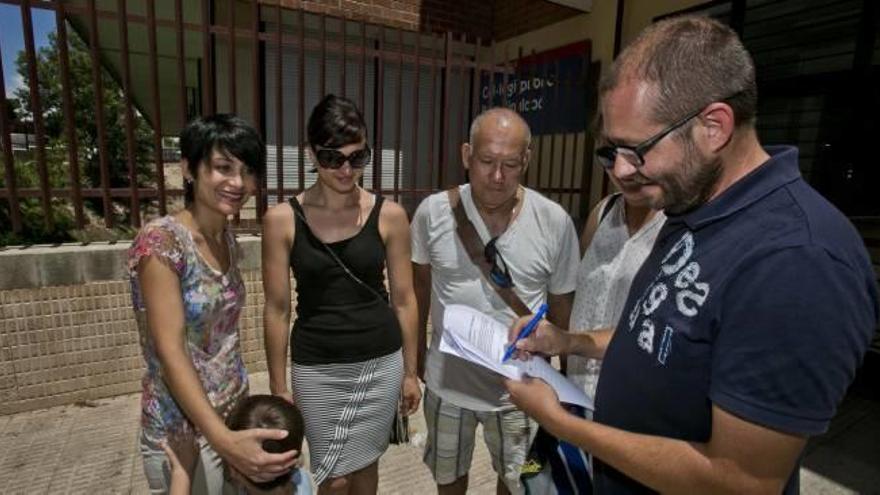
<point x="471" y="335"/>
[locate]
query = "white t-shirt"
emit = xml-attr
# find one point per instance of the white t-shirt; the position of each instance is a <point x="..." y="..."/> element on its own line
<point x="540" y="248"/>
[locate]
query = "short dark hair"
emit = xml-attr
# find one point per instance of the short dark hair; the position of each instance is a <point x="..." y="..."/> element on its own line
<point x="224" y="132"/>
<point x="689" y="61"/>
<point x="273" y="412"/>
<point x="335" y="122"/>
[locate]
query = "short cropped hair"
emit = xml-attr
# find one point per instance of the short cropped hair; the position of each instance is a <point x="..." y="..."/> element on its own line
<point x="336" y="122"/>
<point x="689" y="61"/>
<point x="224" y="132"/>
<point x="501" y="113"/>
<point x="273" y="412"/>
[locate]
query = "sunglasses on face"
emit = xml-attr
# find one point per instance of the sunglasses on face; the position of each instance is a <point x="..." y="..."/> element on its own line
<point x="499" y="273"/>
<point x="335" y="159"/>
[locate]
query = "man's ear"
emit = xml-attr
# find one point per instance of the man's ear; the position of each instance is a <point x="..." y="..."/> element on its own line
<point x="466" y="155"/>
<point x="527" y="159"/>
<point x="718" y="123"/>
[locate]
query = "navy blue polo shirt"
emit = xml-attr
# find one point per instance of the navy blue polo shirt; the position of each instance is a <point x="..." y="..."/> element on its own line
<point x="762" y="302"/>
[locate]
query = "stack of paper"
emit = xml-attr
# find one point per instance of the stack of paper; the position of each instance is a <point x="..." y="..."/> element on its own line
<point x="471" y="335"/>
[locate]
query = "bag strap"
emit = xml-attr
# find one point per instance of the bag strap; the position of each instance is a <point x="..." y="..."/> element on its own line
<point x="608" y="204"/>
<point x="474" y="247"/>
<point x="301" y="215"/>
<point x="594" y="221"/>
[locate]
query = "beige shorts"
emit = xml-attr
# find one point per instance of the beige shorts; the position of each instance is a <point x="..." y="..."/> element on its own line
<point x="451" y="432"/>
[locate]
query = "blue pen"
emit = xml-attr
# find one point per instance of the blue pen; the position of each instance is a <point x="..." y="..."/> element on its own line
<point x="526" y="331"/>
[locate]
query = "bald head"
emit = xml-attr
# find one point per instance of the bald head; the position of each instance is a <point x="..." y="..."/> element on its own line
<point x="499" y="120"/>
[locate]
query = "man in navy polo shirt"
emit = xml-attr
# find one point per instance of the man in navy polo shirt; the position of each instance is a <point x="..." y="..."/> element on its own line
<point x="745" y="325"/>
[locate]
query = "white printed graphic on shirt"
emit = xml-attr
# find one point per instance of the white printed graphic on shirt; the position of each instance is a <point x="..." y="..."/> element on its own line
<point x="689" y="294"/>
<point x="646" y="336"/>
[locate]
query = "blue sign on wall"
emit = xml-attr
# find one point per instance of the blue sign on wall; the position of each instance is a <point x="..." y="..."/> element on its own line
<point x="548" y="89"/>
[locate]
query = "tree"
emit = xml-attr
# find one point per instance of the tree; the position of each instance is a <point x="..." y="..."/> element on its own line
<point x="85" y="124"/>
<point x="9" y="107"/>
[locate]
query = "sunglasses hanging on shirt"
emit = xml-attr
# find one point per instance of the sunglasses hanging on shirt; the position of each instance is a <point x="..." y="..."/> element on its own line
<point x="498" y="273"/>
<point x="335" y="159"/>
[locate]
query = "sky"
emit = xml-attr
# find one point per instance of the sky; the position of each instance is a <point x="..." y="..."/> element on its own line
<point x="12" y="39"/>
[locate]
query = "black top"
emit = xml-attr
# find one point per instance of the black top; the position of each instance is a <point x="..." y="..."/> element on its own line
<point x="339" y="320"/>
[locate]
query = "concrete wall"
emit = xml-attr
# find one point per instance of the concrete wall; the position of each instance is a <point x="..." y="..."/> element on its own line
<point x="67" y="331"/>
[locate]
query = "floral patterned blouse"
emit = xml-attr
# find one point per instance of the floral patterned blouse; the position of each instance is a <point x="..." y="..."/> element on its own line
<point x="212" y="304"/>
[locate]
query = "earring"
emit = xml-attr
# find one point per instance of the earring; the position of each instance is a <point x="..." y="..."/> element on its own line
<point x="188" y="181"/>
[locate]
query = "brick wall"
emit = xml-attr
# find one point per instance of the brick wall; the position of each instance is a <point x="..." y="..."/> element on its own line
<point x="67" y="330"/>
<point x="515" y="17"/>
<point x="65" y="344"/>
<point x="498" y="19"/>
<point x="459" y="16"/>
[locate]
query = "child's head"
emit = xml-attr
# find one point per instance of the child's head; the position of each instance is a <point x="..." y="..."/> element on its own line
<point x="272" y="412"/>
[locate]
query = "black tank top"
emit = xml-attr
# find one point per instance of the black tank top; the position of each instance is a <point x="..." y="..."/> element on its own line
<point x="338" y="320"/>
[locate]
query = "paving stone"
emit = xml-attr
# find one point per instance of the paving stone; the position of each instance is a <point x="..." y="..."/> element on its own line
<point x="93" y="448"/>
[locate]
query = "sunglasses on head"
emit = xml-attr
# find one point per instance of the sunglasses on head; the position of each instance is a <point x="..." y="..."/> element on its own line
<point x="334" y="159"/>
<point x="499" y="273"/>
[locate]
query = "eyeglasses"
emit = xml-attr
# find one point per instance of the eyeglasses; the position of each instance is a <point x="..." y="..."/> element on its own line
<point x="499" y="272"/>
<point x="635" y="155"/>
<point x="335" y="159"/>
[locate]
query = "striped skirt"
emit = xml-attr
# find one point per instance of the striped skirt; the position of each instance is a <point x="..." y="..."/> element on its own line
<point x="348" y="409"/>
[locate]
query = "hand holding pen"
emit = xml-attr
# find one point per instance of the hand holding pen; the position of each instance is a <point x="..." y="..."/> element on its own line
<point x="525" y="331"/>
<point x="544" y="338"/>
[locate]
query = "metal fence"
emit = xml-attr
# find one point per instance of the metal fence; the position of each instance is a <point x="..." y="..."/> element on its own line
<point x="164" y="62"/>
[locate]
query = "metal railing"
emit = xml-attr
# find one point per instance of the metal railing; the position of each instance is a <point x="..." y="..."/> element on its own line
<point x="419" y="91"/>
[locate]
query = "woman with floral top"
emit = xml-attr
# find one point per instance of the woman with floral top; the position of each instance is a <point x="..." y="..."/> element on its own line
<point x="188" y="293"/>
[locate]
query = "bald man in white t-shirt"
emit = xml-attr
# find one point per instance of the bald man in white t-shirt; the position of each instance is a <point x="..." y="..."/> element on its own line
<point x="534" y="248"/>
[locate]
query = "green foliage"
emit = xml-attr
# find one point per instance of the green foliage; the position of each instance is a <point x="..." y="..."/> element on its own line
<point x="34" y="229"/>
<point x="85" y="124"/>
<point x="9" y="107"/>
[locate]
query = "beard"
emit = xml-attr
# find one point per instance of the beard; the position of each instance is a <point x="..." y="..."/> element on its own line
<point x="694" y="183"/>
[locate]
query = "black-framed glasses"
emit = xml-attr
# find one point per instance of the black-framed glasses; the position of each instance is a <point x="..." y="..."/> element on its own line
<point x="335" y="159"/>
<point x="635" y="155"/>
<point x="498" y="272"/>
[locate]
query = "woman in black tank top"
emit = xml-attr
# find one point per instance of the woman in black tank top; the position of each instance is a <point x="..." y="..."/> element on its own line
<point x="347" y="369"/>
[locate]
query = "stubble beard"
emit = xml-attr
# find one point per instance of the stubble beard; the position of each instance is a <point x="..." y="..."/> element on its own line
<point x="693" y="185"/>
